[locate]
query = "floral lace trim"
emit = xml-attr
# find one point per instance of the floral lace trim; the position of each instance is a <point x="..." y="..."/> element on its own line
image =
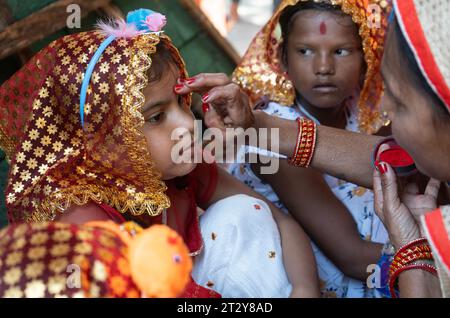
<point x="60" y="201"/>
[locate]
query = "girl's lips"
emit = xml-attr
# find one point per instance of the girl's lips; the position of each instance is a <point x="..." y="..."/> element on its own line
<point x="326" y="88"/>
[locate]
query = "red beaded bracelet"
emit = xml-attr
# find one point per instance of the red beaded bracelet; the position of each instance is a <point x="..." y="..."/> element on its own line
<point x="406" y="258"/>
<point x="306" y="142"/>
<point x="412" y="243"/>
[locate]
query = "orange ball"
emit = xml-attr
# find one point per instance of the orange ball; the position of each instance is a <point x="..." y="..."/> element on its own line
<point x="160" y="262"/>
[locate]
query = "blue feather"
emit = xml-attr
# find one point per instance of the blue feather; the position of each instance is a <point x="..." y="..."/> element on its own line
<point x="137" y="17"/>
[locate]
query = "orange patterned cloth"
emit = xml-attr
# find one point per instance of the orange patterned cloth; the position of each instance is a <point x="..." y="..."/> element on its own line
<point x="62" y="260"/>
<point x="55" y="163"/>
<point x="97" y="259"/>
<point x="259" y="72"/>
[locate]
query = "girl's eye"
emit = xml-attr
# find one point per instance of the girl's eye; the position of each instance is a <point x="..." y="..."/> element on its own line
<point x="155" y="118"/>
<point x="342" y="52"/>
<point x="305" y="52"/>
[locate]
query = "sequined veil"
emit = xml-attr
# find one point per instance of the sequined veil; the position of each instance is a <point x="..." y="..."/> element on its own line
<point x="259" y="72"/>
<point x="54" y="161"/>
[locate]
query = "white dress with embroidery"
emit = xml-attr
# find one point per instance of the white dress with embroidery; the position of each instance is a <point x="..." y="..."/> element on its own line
<point x="242" y="255"/>
<point x="359" y="201"/>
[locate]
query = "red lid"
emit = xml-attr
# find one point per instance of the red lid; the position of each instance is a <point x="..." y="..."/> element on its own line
<point x="398" y="159"/>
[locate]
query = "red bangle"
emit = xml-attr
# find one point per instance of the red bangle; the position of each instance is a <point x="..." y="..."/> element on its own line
<point x="306" y="142"/>
<point x="412" y="243"/>
<point x="423" y="248"/>
<point x="313" y="146"/>
<point x="405" y="259"/>
<point x="411" y="252"/>
<point x="393" y="278"/>
<point x="297" y="145"/>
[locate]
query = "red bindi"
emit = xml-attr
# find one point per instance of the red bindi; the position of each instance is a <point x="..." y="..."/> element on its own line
<point x="323" y="28"/>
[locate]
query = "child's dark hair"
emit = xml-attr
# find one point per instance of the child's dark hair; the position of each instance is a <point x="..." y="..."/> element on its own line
<point x="417" y="78"/>
<point x="162" y="61"/>
<point x="287" y="17"/>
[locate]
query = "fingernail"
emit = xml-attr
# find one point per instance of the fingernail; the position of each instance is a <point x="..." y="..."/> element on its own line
<point x="178" y="87"/>
<point x="377" y="165"/>
<point x="205" y="107"/>
<point x="385" y="168"/>
<point x="190" y="80"/>
<point x="181" y="80"/>
<point x="380" y="167"/>
<point x="205" y="97"/>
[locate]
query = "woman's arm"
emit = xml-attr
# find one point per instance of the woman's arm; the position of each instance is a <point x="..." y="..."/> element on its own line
<point x="419" y="284"/>
<point x="327" y="221"/>
<point x="340" y="153"/>
<point x="83" y="214"/>
<point x="297" y="252"/>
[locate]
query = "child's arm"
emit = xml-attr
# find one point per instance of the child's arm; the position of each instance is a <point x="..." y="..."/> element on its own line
<point x="308" y="198"/>
<point x="298" y="257"/>
<point x="83" y="214"/>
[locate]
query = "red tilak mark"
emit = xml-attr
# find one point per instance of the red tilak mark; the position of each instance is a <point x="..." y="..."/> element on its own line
<point x="323" y="28"/>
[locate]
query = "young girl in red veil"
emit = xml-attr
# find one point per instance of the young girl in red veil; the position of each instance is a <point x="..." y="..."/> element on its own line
<point x="87" y="125"/>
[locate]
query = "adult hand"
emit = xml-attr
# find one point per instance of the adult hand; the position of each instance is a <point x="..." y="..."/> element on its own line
<point x="225" y="104"/>
<point x="420" y="204"/>
<point x="400" y="213"/>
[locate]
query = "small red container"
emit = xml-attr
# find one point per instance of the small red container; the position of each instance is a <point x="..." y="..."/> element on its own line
<point x="397" y="157"/>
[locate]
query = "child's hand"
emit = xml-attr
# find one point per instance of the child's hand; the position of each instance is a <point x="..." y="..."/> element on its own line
<point x="230" y="105"/>
<point x="418" y="203"/>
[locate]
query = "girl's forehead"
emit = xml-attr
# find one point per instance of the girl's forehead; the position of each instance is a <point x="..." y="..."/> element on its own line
<point x="322" y="22"/>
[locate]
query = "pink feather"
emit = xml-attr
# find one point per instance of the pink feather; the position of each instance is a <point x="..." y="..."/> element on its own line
<point x="117" y="27"/>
